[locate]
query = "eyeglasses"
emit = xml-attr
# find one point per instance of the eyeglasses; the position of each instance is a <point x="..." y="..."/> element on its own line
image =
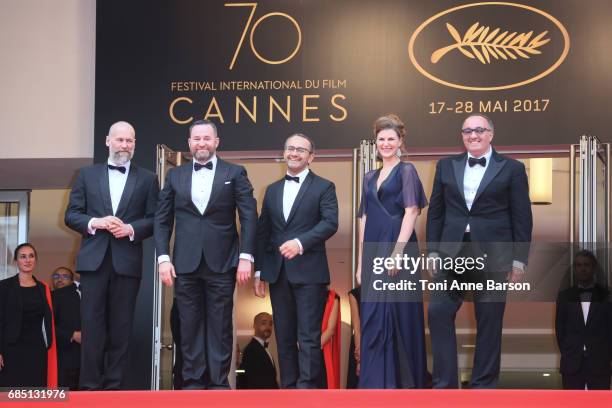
<point x="62" y="277"/>
<point x="300" y="150"/>
<point x="479" y="131"/>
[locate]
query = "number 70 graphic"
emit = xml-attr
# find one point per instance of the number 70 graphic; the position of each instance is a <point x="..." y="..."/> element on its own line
<point x="254" y="28"/>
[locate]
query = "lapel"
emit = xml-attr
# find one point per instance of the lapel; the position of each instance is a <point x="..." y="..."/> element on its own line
<point x="267" y="357"/>
<point x="496" y="164"/>
<point x="298" y="199"/>
<point x="459" y="171"/>
<point x="221" y="174"/>
<point x="279" y="192"/>
<point x="597" y="297"/>
<point x="185" y="174"/>
<point x="130" y="184"/>
<point x="105" y="189"/>
<point x="16" y="294"/>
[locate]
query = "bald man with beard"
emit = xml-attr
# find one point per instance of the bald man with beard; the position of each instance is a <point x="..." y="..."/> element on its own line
<point x="258" y="366"/>
<point x="111" y="205"/>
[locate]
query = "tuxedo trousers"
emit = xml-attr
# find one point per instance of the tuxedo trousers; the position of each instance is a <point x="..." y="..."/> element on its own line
<point x="205" y="302"/>
<point x="442" y="310"/>
<point x="298" y="313"/>
<point x="584" y="376"/>
<point x="107" y="313"/>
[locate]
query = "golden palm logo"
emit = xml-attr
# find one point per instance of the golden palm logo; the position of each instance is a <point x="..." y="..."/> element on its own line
<point x="479" y="42"/>
<point x="489" y="45"/>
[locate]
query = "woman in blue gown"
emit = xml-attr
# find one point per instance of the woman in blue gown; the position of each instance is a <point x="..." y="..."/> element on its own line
<point x="392" y="327"/>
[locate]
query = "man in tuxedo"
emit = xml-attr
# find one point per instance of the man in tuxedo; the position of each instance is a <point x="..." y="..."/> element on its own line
<point x="112" y="206"/>
<point x="479" y="204"/>
<point x="584" y="329"/>
<point x="299" y="213"/>
<point x="203" y="197"/>
<point x="257" y="362"/>
<point x="67" y="315"/>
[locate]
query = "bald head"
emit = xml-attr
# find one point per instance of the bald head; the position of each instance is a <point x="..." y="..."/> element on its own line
<point x="121" y="127"/>
<point x="121" y="142"/>
<point x="263" y="324"/>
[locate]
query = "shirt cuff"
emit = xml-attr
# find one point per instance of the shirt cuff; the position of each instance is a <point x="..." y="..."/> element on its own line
<point x="163" y="258"/>
<point x="247" y="257"/>
<point x="300" y="245"/>
<point x="518" y="265"/>
<point x="131" y="233"/>
<point x="91" y="230"/>
<point x="257" y="274"/>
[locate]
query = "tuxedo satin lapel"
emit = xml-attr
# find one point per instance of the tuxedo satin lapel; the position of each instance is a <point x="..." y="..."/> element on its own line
<point x="105" y="189"/>
<point x="221" y="175"/>
<point x="494" y="167"/>
<point x="128" y="190"/>
<point x="185" y="184"/>
<point x="459" y="171"/>
<point x="280" y="192"/>
<point x="298" y="199"/>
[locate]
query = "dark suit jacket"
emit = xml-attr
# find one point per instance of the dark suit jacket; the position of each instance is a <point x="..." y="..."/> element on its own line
<point x="67" y="312"/>
<point x="313" y="220"/>
<point x="213" y="234"/>
<point x="90" y="197"/>
<point x="501" y="210"/>
<point x="573" y="334"/>
<point x="11" y="311"/>
<point x="259" y="372"/>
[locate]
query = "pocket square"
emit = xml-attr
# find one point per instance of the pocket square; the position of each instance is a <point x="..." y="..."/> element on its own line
<point x="227" y="182"/>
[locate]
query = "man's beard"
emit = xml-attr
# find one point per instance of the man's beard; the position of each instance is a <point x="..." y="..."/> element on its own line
<point x="121" y="158"/>
<point x="202" y="155"/>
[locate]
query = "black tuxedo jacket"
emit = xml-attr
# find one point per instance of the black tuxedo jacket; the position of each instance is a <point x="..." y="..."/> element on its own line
<point x="501" y="210"/>
<point x="67" y="312"/>
<point x="214" y="234"/>
<point x="573" y="333"/>
<point x="313" y="220"/>
<point x="90" y="198"/>
<point x="259" y="372"/>
<point x="11" y="311"/>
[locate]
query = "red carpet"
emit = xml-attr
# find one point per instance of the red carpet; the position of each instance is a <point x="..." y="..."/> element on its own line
<point x="335" y="398"/>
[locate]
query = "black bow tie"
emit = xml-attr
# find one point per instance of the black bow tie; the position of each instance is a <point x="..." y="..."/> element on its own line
<point x="118" y="168"/>
<point x="197" y="166"/>
<point x="291" y="178"/>
<point x="473" y="161"/>
<point x="585" y="290"/>
<point x="266" y="344"/>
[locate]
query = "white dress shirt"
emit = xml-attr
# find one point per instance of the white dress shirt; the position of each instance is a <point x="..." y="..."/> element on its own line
<point x="472" y="178"/>
<point x="290" y="192"/>
<point x="201" y="184"/>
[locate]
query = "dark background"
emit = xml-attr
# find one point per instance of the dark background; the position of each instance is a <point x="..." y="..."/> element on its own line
<point x="142" y="46"/>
